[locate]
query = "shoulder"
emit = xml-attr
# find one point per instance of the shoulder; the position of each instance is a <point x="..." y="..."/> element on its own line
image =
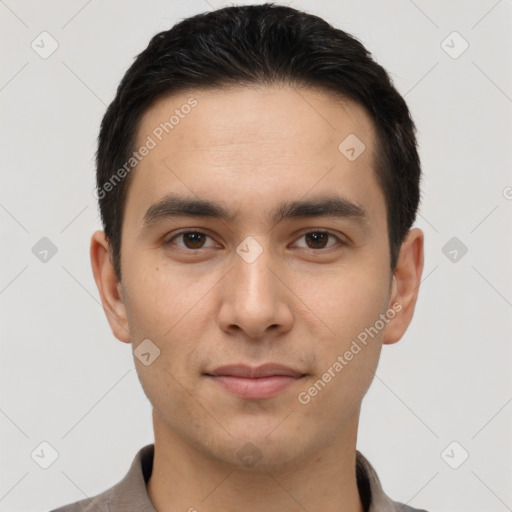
<point x="370" y="489"/>
<point x="99" y="503"/>
<point x="128" y="494"/>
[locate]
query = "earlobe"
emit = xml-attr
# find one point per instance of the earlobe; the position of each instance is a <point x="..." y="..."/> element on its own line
<point x="110" y="289"/>
<point x="405" y="286"/>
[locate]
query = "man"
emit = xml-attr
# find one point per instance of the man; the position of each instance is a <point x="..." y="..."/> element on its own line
<point x="258" y="178"/>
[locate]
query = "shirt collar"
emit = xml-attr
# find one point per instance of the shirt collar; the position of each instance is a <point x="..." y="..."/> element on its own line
<point x="131" y="494"/>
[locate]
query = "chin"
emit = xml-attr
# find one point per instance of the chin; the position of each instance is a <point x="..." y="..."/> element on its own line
<point x="261" y="449"/>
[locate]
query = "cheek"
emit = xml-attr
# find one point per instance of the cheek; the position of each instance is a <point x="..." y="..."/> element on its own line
<point x="346" y="300"/>
<point x="167" y="391"/>
<point x="168" y="308"/>
<point x="349" y="302"/>
<point x="164" y="316"/>
<point x="348" y="357"/>
<point x="158" y="298"/>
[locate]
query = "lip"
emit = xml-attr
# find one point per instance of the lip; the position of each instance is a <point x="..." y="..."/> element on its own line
<point x="255" y="383"/>
<point x="255" y="372"/>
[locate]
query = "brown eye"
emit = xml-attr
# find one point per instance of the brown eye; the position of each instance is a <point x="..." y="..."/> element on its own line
<point x="193" y="240"/>
<point x="190" y="240"/>
<point x="318" y="240"/>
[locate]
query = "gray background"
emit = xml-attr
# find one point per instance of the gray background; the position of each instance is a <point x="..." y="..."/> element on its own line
<point x="66" y="380"/>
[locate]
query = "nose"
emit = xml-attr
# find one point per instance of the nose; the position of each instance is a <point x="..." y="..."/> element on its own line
<point x="255" y="299"/>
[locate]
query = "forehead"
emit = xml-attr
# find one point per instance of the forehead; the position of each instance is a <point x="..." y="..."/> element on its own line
<point x="255" y="142"/>
<point x="263" y="114"/>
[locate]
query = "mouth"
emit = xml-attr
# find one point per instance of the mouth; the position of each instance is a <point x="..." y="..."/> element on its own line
<point x="255" y="383"/>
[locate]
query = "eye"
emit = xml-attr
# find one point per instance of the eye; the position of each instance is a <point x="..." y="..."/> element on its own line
<point x="319" y="240"/>
<point x="191" y="240"/>
<point x="194" y="240"/>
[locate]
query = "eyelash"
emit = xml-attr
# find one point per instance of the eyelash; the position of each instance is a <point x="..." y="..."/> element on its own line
<point x="339" y="243"/>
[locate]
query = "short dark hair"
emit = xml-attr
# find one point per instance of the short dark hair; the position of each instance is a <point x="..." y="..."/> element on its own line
<point x="260" y="45"/>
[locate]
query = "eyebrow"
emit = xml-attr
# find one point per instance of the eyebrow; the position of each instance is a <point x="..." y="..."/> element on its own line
<point x="325" y="206"/>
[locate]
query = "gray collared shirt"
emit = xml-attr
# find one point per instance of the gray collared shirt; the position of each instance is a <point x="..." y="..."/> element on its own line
<point x="130" y="494"/>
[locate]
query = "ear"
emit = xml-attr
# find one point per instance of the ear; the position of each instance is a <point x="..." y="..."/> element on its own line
<point x="405" y="285"/>
<point x="110" y="288"/>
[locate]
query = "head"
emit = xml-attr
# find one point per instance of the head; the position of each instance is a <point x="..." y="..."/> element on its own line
<point x="286" y="148"/>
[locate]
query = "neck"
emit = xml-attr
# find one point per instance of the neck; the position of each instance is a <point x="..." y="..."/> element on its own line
<point x="186" y="479"/>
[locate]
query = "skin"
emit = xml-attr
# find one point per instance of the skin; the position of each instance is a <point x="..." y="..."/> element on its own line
<point x="296" y="304"/>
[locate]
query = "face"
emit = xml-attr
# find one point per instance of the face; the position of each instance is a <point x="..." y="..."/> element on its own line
<point x="272" y="248"/>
